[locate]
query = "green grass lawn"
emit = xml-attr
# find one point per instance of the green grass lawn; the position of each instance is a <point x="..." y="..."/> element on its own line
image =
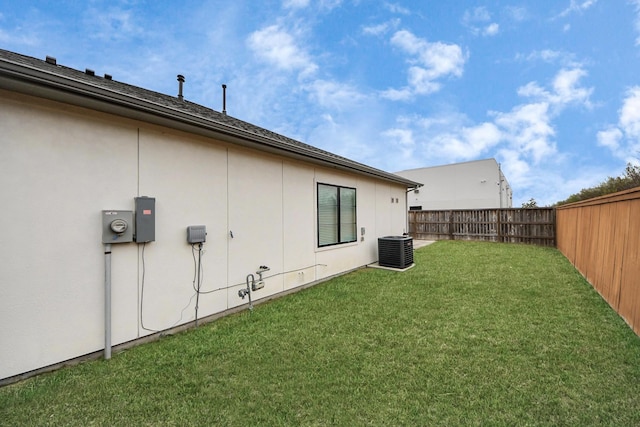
<point x="476" y="334"/>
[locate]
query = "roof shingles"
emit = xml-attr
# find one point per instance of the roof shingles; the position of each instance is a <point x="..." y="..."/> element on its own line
<point x="215" y="118"/>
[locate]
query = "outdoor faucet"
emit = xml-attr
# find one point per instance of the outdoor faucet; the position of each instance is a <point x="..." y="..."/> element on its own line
<point x="247" y="291"/>
<point x="262" y="269"/>
<point x="260" y="284"/>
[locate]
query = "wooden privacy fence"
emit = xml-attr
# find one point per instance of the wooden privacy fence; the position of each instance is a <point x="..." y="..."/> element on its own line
<point x="526" y="225"/>
<point x="601" y="238"/>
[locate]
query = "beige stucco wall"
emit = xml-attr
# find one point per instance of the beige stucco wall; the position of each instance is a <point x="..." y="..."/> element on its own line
<point x="60" y="166"/>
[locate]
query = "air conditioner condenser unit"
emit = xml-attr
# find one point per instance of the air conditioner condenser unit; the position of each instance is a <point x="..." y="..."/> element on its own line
<point x="395" y="251"/>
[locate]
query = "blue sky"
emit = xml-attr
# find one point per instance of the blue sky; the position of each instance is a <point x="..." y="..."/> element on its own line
<point x="550" y="88"/>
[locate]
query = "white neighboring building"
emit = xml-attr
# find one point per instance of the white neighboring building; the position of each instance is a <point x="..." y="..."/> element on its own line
<point x="478" y="184"/>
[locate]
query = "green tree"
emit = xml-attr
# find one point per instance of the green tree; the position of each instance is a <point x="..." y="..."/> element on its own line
<point x="530" y="204"/>
<point x="629" y="179"/>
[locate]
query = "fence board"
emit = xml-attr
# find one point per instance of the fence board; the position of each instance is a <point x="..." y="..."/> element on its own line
<point x="601" y="238"/>
<point x="629" y="306"/>
<point x="619" y="242"/>
<point x="534" y="226"/>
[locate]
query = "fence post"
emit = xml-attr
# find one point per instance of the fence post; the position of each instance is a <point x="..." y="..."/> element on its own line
<point x="410" y="220"/>
<point x="499" y="225"/>
<point x="451" y="225"/>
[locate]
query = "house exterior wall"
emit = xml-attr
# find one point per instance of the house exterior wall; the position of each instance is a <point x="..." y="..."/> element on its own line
<point x="60" y="166"/>
<point x="471" y="185"/>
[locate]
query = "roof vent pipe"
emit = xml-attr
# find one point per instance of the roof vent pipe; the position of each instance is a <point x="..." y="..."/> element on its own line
<point x="51" y="60"/>
<point x="224" y="99"/>
<point x="181" y="82"/>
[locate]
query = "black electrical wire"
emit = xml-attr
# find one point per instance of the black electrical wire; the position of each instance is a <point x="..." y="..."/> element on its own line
<point x="199" y="266"/>
<point x="265" y="277"/>
<point x="144" y="245"/>
<point x="142" y="298"/>
<point x="198" y="269"/>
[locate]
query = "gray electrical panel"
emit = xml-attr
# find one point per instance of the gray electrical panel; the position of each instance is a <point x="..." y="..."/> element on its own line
<point x="145" y="219"/>
<point x="117" y="226"/>
<point x="196" y="234"/>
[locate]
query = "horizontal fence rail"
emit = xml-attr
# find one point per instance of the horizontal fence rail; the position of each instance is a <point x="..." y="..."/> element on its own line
<point x="524" y="225"/>
<point x="601" y="238"/>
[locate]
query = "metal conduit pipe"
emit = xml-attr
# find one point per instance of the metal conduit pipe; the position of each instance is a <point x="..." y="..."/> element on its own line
<point x="107" y="301"/>
<point x="251" y="281"/>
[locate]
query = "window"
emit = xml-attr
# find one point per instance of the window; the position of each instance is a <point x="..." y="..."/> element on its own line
<point x="336" y="215"/>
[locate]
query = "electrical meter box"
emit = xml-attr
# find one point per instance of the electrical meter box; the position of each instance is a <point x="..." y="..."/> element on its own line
<point x="117" y="226"/>
<point x="145" y="219"/>
<point x="196" y="234"/>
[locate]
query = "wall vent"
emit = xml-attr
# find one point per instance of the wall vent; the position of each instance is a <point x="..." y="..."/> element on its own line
<point x="395" y="251"/>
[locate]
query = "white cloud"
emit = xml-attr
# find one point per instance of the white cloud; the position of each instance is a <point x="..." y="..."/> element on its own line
<point x="528" y="130"/>
<point x="429" y="62"/>
<point x="517" y="170"/>
<point x="477" y="21"/>
<point x="623" y="139"/>
<point x="523" y="138"/>
<point x="26" y="39"/>
<point x="350" y="135"/>
<point x="630" y="113"/>
<point x="566" y="89"/>
<point x="442" y="139"/>
<point x="528" y="127"/>
<point x="403" y="140"/>
<point x="516" y="14"/>
<point x="525" y="134"/>
<point x="478" y="14"/>
<point x="482" y="137"/>
<point x="396" y="8"/>
<point x="421" y="80"/>
<point x="380" y="29"/>
<point x="567" y="60"/>
<point x="491" y="30"/>
<point x="546" y="55"/>
<point x="636" y="6"/>
<point x="577" y="6"/>
<point x="544" y="182"/>
<point x="301" y="4"/>
<point x="295" y="4"/>
<point x="439" y="58"/>
<point x="276" y="46"/>
<point x="403" y="94"/>
<point x="469" y="142"/>
<point x="334" y="95"/>
<point x="328" y="4"/>
<point x="610" y="138"/>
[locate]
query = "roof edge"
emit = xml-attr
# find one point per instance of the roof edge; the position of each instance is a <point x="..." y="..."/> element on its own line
<point x="33" y="81"/>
